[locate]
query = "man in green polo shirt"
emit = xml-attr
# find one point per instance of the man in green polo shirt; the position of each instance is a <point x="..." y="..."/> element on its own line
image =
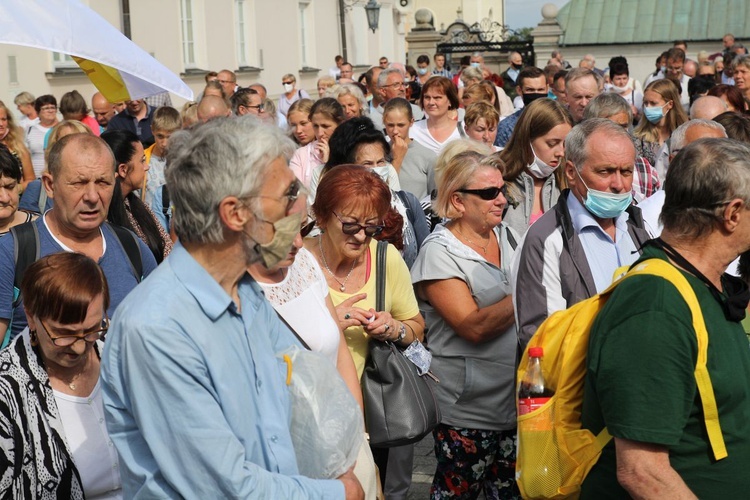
<point x="643" y="349"/>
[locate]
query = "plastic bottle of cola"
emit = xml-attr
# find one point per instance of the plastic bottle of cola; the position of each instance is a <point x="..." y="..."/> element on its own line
<point x="532" y="393"/>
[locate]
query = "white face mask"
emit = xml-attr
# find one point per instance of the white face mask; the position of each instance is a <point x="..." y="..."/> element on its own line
<point x="288" y="87"/>
<point x="538" y="168"/>
<point x="619" y="90"/>
<point x="382" y="171"/>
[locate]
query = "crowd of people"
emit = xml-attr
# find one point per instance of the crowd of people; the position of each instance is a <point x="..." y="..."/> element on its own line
<point x="154" y="262"/>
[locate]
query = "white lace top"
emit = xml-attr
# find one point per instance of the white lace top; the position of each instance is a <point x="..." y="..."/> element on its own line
<point x="301" y="299"/>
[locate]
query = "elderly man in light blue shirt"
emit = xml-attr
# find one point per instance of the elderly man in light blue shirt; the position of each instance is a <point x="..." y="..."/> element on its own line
<point x="194" y="394"/>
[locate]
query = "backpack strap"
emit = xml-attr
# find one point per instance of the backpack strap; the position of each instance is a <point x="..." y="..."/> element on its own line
<point x="165" y="201"/>
<point x="42" y="202"/>
<point x="380" y="273"/>
<point x="26" y="251"/>
<point x="460" y="128"/>
<point x="130" y="246"/>
<point x="664" y="269"/>
<point x="511" y="239"/>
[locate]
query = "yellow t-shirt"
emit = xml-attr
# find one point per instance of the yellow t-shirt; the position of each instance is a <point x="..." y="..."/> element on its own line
<point x="400" y="300"/>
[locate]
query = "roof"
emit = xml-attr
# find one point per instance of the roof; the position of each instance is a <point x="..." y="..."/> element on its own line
<point x="597" y="22"/>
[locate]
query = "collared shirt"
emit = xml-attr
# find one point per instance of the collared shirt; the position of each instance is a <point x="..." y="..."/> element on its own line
<point x="513" y="73"/>
<point x="194" y="392"/>
<point x="604" y="256"/>
<point x="140" y="127"/>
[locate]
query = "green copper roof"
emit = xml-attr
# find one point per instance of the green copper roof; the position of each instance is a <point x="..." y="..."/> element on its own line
<point x="595" y="22"/>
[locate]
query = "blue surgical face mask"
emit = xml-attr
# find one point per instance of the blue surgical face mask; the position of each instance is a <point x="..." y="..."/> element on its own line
<point x="422" y="71"/>
<point x="653" y="113"/>
<point x="383" y="171"/>
<point x="475" y="64"/>
<point x="605" y="205"/>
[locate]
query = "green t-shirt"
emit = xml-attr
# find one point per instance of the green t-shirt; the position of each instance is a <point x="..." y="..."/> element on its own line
<point x="640" y="381"/>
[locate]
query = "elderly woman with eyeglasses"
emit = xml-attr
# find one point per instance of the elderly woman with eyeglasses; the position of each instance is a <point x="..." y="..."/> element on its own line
<point x="462" y="279"/>
<point x="351" y="209"/>
<point x="54" y="440"/>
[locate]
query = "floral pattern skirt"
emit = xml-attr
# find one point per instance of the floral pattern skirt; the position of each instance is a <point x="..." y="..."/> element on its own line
<point x="470" y="461"/>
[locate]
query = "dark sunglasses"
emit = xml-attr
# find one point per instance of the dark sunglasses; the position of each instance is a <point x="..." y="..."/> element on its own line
<point x="305" y="229"/>
<point x="487" y="194"/>
<point x="352" y="228"/>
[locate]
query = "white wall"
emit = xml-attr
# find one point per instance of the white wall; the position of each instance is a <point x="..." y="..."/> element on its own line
<point x="274" y="37"/>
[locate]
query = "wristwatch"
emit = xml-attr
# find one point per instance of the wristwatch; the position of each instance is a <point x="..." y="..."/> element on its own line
<point x="401" y="333"/>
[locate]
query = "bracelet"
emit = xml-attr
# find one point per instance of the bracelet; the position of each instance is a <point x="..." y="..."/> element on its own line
<point x="401" y="333"/>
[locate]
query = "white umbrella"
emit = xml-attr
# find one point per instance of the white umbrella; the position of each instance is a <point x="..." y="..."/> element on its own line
<point x="119" y="68"/>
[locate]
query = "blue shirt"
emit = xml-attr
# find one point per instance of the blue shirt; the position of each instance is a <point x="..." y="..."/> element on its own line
<point x="505" y="128"/>
<point x="194" y="395"/>
<point x="114" y="262"/>
<point x="604" y="256"/>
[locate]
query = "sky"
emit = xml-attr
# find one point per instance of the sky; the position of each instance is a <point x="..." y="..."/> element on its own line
<point x="525" y="13"/>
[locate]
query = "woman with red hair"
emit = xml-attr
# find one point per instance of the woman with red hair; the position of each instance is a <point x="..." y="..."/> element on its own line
<point x="352" y="207"/>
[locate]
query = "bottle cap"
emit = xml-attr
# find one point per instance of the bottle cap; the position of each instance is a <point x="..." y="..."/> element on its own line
<point x="536" y="352"/>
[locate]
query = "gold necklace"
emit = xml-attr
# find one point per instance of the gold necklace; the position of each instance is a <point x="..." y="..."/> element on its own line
<point x="484" y="248"/>
<point x="342" y="284"/>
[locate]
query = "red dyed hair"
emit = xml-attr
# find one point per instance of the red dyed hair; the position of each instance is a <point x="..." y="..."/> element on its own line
<point x="345" y="185"/>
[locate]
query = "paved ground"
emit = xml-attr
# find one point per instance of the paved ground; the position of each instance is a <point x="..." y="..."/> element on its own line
<point x="423" y="469"/>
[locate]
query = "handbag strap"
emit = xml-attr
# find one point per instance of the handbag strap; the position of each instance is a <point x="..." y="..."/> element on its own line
<point x="301" y="341"/>
<point x="380" y="275"/>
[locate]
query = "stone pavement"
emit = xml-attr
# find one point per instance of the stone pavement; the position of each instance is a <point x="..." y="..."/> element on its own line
<point x="423" y="469"/>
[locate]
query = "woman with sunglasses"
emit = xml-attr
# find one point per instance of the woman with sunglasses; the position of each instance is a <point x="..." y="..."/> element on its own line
<point x="297" y="289"/>
<point x="350" y="209"/>
<point x="55" y="441"/>
<point x="462" y="281"/>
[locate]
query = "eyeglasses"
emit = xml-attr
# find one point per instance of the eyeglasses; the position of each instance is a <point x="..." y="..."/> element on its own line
<point x="487" y="194"/>
<point x="291" y="195"/>
<point x="48" y="108"/>
<point x="352" y="228"/>
<point x="397" y="85"/>
<point x="287" y="83"/>
<point x="306" y="228"/>
<point x="68" y="340"/>
<point x="259" y="107"/>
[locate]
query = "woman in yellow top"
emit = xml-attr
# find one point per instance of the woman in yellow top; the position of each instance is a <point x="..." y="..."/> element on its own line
<point x="350" y="207"/>
<point x="353" y="205"/>
<point x="11" y="136"/>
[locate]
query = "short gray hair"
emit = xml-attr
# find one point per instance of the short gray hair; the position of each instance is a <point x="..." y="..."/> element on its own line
<point x="353" y="90"/>
<point x="578" y="73"/>
<point x="383" y="76"/>
<point x="220" y="158"/>
<point x="677" y="139"/>
<point x="607" y="105"/>
<point x="471" y="73"/>
<point x="701" y="179"/>
<point x="576" y="142"/>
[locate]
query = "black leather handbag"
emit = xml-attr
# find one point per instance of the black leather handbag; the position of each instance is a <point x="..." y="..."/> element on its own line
<point x="400" y="407"/>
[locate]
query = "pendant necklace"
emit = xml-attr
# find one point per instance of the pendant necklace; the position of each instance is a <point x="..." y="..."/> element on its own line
<point x="484" y="248"/>
<point x="342" y="284"/>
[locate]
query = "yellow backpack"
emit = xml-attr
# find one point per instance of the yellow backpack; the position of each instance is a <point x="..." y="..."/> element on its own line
<point x="554" y="453"/>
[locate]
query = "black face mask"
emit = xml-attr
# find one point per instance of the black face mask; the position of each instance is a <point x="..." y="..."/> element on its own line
<point x="736" y="290"/>
<point x="529" y="98"/>
<point x="516" y="66"/>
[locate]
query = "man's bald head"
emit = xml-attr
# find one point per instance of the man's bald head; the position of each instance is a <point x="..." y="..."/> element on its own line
<point x="693" y="130"/>
<point x="707" y="107"/>
<point x="102" y="108"/>
<point x="212" y="107"/>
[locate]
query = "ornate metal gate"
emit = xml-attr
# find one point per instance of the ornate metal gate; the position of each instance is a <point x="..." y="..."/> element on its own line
<point x="484" y="36"/>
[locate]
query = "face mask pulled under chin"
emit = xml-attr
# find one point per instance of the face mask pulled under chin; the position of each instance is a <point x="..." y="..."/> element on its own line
<point x="284" y="232"/>
<point x="538" y="168"/>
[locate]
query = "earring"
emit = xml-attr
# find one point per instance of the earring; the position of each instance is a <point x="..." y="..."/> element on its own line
<point x="33" y="338"/>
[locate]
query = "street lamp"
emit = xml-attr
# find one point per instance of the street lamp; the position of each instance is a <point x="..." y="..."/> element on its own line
<point x="373" y="14"/>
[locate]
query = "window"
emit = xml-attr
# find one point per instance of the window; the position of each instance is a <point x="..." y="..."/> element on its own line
<point x="306" y="21"/>
<point x="242" y="35"/>
<point x="12" y="70"/>
<point x="60" y="61"/>
<point x="188" y="42"/>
